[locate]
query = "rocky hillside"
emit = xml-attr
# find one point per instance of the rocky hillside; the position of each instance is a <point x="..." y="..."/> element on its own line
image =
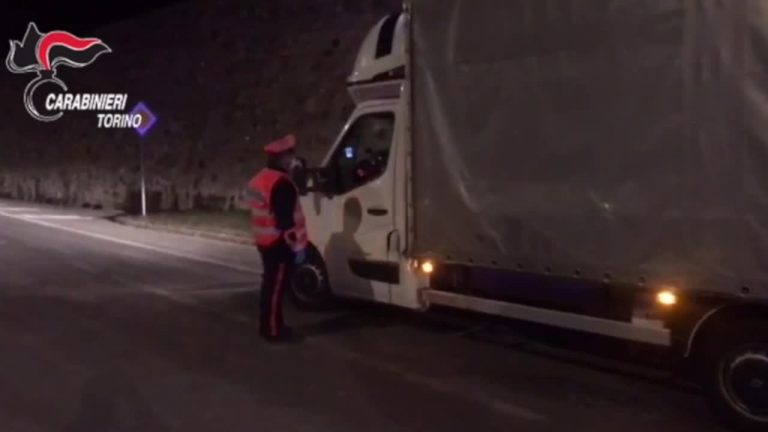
<point x="224" y="77"/>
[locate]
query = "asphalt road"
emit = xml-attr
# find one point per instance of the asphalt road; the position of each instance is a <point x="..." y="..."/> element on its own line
<point x="109" y="328"/>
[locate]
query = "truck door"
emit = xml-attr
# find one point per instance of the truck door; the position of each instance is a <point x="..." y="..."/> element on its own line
<point x="359" y="195"/>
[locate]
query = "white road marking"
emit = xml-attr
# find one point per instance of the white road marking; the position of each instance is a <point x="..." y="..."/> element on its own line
<point x="219" y="291"/>
<point x="32" y="209"/>
<point x="507" y="408"/>
<point x="504" y="407"/>
<point x="134" y="244"/>
<point x="53" y="217"/>
<point x="177" y="297"/>
<point x="83" y="266"/>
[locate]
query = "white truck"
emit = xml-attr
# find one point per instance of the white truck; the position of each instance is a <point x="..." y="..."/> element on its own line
<point x="591" y="165"/>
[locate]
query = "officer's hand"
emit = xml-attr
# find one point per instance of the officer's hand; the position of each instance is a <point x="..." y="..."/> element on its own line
<point x="301" y="256"/>
<point x="290" y="237"/>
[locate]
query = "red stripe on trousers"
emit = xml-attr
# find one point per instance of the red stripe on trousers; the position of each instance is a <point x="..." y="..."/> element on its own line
<point x="276" y="296"/>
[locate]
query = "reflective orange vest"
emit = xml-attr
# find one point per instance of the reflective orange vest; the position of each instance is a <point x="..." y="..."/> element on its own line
<point x="263" y="219"/>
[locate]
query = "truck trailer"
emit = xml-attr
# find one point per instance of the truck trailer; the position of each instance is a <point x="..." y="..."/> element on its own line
<point x="599" y="166"/>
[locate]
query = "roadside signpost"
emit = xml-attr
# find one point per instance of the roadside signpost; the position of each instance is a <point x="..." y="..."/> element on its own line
<point x="148" y="119"/>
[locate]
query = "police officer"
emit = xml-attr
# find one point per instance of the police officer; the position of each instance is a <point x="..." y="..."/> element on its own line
<point x="280" y="233"/>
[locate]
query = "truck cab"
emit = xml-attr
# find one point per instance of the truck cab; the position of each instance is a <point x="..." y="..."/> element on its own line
<point x="355" y="201"/>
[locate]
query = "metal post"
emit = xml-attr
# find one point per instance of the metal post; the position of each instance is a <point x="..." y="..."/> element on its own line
<point x="143" y="180"/>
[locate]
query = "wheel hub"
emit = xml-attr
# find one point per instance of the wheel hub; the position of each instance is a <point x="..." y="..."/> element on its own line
<point x="757" y="384"/>
<point x="308" y="282"/>
<point x="745" y="383"/>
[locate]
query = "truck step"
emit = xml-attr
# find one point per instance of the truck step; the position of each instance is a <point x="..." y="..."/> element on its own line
<point x="637" y="331"/>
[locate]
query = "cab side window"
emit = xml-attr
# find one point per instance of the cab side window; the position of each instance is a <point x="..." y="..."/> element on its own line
<point x="363" y="153"/>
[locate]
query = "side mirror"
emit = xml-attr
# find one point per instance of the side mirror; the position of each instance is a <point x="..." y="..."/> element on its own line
<point x="318" y="181"/>
<point x="301" y="163"/>
<point x="299" y="175"/>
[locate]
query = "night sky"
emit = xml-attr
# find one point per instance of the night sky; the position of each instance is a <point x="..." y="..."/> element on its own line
<point x="75" y="16"/>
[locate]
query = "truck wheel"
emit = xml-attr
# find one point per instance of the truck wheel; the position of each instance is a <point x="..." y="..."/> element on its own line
<point x="310" y="289"/>
<point x="736" y="376"/>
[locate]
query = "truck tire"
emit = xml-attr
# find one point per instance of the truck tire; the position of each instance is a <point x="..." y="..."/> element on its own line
<point x="736" y="376"/>
<point x="310" y="288"/>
